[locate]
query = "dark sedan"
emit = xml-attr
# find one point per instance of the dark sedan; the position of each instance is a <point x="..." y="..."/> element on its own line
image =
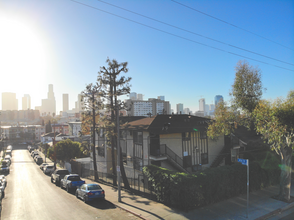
<point x="89" y="192"/>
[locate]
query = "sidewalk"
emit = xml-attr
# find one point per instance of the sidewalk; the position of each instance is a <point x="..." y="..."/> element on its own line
<point x="261" y="206"/>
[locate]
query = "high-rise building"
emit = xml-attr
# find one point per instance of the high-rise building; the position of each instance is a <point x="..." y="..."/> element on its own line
<point x="206" y="110"/>
<point x="217" y="99"/>
<point x="186" y="111"/>
<point x="133" y="96"/>
<point x="140" y="97"/>
<point x="9" y="101"/>
<point x="161" y="97"/>
<point x="49" y="104"/>
<point x="65" y="103"/>
<point x="180" y="108"/>
<point x="26" y="102"/>
<point x="79" y="106"/>
<point x="211" y="107"/>
<point x="202" y="105"/>
<point x="147" y="108"/>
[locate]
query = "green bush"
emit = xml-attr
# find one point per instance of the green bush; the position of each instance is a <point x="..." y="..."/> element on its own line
<point x="185" y="191"/>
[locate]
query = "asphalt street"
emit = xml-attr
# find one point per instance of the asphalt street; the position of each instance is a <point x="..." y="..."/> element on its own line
<point x="30" y="195"/>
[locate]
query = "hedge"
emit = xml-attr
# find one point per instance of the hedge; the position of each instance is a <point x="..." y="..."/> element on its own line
<point x="185" y="191"/>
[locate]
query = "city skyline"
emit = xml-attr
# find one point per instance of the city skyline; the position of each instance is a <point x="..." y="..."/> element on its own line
<point x="186" y="57"/>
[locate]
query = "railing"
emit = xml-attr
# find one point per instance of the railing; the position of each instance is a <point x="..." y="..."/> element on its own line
<point x="171" y="155"/>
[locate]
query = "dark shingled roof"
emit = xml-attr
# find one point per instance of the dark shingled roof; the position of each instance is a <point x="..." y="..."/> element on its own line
<point x="161" y="124"/>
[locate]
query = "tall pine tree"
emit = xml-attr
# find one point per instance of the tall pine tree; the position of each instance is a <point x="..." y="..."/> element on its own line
<point x="114" y="86"/>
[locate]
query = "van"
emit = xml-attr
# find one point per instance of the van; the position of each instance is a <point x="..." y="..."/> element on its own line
<point x="8" y="152"/>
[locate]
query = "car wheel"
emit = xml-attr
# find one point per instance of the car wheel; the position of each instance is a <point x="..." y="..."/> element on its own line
<point x="85" y="199"/>
<point x="67" y="189"/>
<point x="57" y="183"/>
<point x="60" y="185"/>
<point x="3" y="195"/>
<point x="77" y="194"/>
<point x="51" y="180"/>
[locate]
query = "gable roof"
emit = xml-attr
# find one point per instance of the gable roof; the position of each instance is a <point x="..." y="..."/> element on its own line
<point x="161" y="124"/>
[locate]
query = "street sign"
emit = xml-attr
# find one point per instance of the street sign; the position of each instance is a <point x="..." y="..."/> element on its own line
<point x="243" y="161"/>
<point x="246" y="162"/>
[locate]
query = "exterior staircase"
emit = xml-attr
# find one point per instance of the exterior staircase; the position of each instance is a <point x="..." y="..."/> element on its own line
<point x="173" y="158"/>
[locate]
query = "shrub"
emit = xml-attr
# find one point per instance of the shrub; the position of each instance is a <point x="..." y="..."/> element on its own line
<point x="185" y="191"/>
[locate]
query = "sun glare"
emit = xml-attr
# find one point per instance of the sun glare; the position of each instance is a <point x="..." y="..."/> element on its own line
<point x="22" y="56"/>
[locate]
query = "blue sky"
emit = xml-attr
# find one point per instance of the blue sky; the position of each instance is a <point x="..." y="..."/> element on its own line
<point x="64" y="43"/>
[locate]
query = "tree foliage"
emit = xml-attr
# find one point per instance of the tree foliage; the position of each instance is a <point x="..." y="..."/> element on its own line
<point x="114" y="85"/>
<point x="92" y="103"/>
<point x="275" y="122"/>
<point x="247" y="88"/>
<point x="66" y="150"/>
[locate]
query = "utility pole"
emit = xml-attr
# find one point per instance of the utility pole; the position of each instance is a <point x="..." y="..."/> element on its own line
<point x="54" y="149"/>
<point x="118" y="154"/>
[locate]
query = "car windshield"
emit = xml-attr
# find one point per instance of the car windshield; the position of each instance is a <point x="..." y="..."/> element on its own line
<point x="50" y="167"/>
<point x="74" y="178"/>
<point x="94" y="187"/>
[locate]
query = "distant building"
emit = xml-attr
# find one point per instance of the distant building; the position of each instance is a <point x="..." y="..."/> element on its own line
<point x="140" y="97"/>
<point x="202" y="105"/>
<point x="74" y="128"/>
<point x="133" y="96"/>
<point x="9" y="101"/>
<point x="217" y="99"/>
<point x="26" y="102"/>
<point x="180" y="108"/>
<point x="147" y="108"/>
<point x="186" y="111"/>
<point x="49" y="104"/>
<point x="65" y="102"/>
<point x="161" y="97"/>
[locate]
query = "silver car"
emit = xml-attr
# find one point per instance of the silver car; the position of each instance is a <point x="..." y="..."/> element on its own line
<point x="48" y="169"/>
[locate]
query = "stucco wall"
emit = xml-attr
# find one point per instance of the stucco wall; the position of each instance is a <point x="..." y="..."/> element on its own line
<point x="214" y="148"/>
<point x="173" y="141"/>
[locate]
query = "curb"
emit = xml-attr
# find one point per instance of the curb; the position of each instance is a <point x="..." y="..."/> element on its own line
<point x="133" y="213"/>
<point x="275" y="212"/>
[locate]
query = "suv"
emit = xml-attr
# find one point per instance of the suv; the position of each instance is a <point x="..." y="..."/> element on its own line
<point x="57" y="175"/>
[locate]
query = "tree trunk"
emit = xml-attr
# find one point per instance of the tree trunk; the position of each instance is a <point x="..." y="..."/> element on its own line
<point x="94" y="140"/>
<point x="112" y="138"/>
<point x="123" y="172"/>
<point x="285" y="178"/>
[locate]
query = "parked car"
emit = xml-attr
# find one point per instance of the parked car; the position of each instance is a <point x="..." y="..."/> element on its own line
<point x="34" y="153"/>
<point x="2" y="189"/>
<point x="88" y="192"/>
<point x="9" y="147"/>
<point x="58" y="175"/>
<point x="4" y="169"/>
<point x="8" y="152"/>
<point x="48" y="169"/>
<point x="38" y="159"/>
<point x="43" y="165"/>
<point x="31" y="149"/>
<point x="71" y="182"/>
<point x="3" y="180"/>
<point x="6" y="161"/>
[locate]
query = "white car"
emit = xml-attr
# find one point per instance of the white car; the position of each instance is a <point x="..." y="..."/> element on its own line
<point x="48" y="169"/>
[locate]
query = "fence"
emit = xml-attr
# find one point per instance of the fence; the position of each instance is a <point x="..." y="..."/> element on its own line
<point x="139" y="185"/>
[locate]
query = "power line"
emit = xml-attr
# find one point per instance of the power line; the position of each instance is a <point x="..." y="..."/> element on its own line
<point x="191" y="32"/>
<point x="231" y="24"/>
<point x="179" y="36"/>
